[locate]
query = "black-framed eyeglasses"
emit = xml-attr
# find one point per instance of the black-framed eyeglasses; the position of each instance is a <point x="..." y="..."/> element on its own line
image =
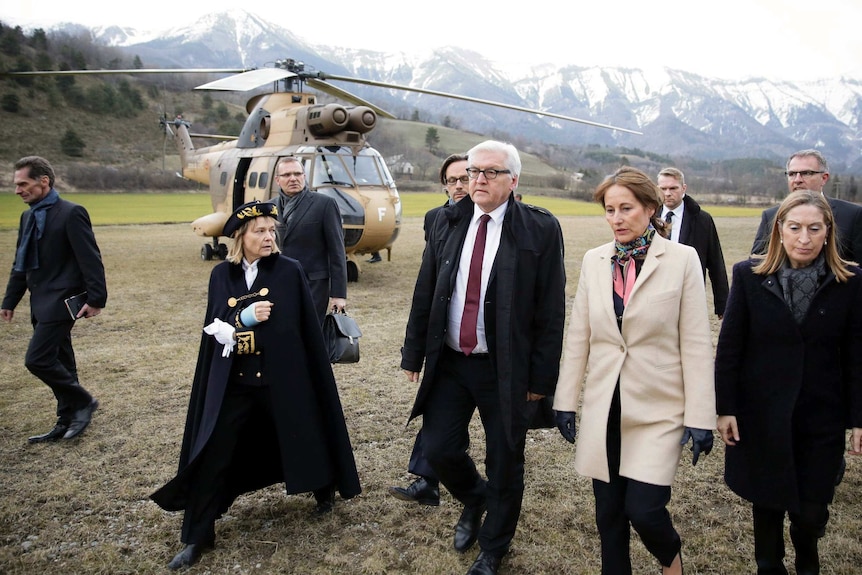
<point x="290" y="175"/>
<point x="462" y="179"/>
<point x="803" y="173"/>
<point x="490" y="173"/>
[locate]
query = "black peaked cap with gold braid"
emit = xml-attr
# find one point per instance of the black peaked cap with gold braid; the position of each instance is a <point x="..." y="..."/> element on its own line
<point x="248" y="212"/>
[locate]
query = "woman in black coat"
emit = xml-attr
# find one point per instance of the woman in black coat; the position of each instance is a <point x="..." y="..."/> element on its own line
<point x="788" y="374"/>
<point x="264" y="407"/>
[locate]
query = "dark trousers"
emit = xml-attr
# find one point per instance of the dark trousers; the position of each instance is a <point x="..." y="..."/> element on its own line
<point x="418" y="464"/>
<point x="208" y="498"/>
<point x="623" y="503"/>
<point x="50" y="357"/>
<point x="806" y="527"/>
<point x="465" y="383"/>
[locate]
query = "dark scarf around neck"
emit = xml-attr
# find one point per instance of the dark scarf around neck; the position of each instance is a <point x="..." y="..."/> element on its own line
<point x="27" y="254"/>
<point x="800" y="284"/>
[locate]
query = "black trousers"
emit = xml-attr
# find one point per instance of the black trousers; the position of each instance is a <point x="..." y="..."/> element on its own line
<point x="50" y="357"/>
<point x="419" y="464"/>
<point x="464" y="384"/>
<point x="623" y="503"/>
<point x="208" y="498"/>
<point x="806" y="527"/>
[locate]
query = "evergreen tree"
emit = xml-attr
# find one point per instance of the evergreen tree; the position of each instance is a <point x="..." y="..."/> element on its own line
<point x="71" y="144"/>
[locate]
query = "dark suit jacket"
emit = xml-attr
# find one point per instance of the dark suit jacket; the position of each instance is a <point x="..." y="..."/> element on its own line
<point x="69" y="263"/>
<point x="793" y="388"/>
<point x="698" y="231"/>
<point x="314" y="236"/>
<point x="524" y="306"/>
<point x="848" y="221"/>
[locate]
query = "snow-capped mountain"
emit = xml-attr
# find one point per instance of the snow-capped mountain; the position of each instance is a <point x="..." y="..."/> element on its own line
<point x="679" y="112"/>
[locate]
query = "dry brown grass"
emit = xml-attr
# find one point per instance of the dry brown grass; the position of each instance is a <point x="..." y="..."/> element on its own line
<point x="83" y="507"/>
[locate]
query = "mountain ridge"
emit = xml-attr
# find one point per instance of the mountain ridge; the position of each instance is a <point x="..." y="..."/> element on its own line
<point x="679" y="112"/>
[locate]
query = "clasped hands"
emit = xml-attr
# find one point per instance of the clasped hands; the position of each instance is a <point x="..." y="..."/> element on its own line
<point x="701" y="439"/>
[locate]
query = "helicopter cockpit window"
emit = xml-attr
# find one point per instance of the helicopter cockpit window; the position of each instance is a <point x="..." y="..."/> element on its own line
<point x="329" y="169"/>
<point x="335" y="165"/>
<point x="223" y="179"/>
<point x="252" y="180"/>
<point x="262" y="181"/>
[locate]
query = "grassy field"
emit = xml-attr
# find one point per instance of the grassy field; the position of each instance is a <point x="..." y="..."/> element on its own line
<point x="160" y="208"/>
<point x="82" y="506"/>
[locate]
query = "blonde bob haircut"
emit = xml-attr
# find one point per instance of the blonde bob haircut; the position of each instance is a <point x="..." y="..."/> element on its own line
<point x="776" y="256"/>
<point x="642" y="187"/>
<point x="234" y="252"/>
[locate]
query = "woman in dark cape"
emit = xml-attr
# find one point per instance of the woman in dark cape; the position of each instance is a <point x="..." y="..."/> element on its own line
<point x="264" y="406"/>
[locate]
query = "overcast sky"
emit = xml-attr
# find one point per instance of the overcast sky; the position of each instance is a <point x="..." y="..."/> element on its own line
<point x="779" y="39"/>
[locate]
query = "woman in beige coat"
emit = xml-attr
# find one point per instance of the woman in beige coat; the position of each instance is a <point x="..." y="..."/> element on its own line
<point x="639" y="331"/>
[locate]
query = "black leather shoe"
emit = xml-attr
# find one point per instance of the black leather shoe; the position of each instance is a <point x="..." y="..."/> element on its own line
<point x="485" y="564"/>
<point x="325" y="499"/>
<point x="53" y="435"/>
<point x="374" y="259"/>
<point x="189" y="556"/>
<point x="80" y="420"/>
<point x="421" y="491"/>
<point x="467" y="529"/>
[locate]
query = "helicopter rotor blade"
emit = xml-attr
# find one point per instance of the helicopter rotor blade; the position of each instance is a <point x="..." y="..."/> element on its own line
<point x="347" y="96"/>
<point x="128" y="71"/>
<point x="248" y="80"/>
<point x="323" y="76"/>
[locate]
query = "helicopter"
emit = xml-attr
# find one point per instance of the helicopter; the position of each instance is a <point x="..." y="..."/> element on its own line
<point x="329" y="139"/>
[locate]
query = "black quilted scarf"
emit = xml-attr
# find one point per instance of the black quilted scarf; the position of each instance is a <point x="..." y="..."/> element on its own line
<point x="800" y="285"/>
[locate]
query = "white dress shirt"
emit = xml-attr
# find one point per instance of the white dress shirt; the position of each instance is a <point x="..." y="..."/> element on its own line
<point x="456" y="305"/>
<point x="676" y="226"/>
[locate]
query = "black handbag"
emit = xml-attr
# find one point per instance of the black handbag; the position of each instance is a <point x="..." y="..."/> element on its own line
<point x="342" y="337"/>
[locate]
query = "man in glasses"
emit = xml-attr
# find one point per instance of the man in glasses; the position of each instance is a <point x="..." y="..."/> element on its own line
<point x="808" y="170"/>
<point x="486" y="323"/>
<point x="425" y="490"/>
<point x="309" y="230"/>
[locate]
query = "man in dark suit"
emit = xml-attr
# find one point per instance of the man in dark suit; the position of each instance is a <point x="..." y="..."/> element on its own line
<point x="56" y="258"/>
<point x="487" y="322"/>
<point x="425" y="490"/>
<point x="808" y="170"/>
<point x="309" y="230"/>
<point x="693" y="226"/>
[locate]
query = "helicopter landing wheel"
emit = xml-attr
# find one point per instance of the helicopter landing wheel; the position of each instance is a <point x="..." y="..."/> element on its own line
<point x="352" y="271"/>
<point x="206" y="252"/>
<point x="222" y="251"/>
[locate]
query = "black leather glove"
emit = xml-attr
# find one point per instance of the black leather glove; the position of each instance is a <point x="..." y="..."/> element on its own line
<point x="566" y="424"/>
<point x="701" y="442"/>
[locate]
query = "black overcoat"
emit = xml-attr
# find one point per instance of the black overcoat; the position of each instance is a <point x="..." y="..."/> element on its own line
<point x="69" y="263"/>
<point x="793" y="388"/>
<point x="698" y="231"/>
<point x="307" y="445"/>
<point x="524" y="306"/>
<point x="314" y="237"/>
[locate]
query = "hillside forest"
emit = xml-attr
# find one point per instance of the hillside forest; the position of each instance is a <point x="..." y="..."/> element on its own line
<point x="102" y="131"/>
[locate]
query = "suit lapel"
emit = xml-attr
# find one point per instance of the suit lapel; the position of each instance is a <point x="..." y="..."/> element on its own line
<point x="655" y="251"/>
<point x="606" y="282"/>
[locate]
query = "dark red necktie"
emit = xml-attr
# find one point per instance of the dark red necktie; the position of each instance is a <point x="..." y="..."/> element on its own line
<point x="474" y="290"/>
